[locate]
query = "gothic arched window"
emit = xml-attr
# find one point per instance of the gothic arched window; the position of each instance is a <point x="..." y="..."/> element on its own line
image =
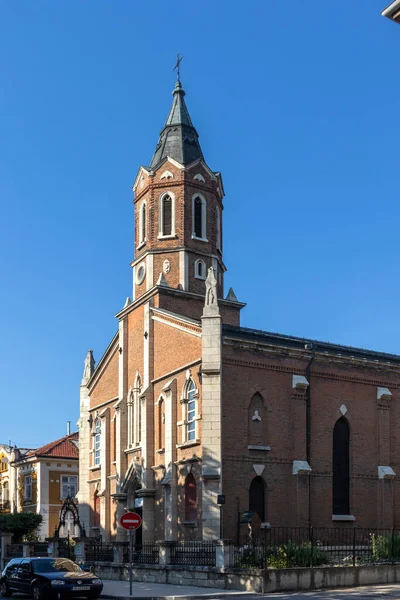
<point x="190" y="498"/>
<point x="199" y="217"/>
<point x="257" y="497"/>
<point x="200" y="269"/>
<point x="167" y="225"/>
<point x="191" y="411"/>
<point x="257" y="425"/>
<point x="143" y="223"/>
<point x="218" y="225"/>
<point x="341" y="468"/>
<point x="97" y="441"/>
<point x="161" y="419"/>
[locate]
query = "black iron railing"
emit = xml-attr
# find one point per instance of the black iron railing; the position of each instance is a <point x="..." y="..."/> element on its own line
<point x="14" y="551"/>
<point x="193" y="553"/>
<point x="99" y="552"/>
<point x="286" y="547"/>
<point x="148" y="553"/>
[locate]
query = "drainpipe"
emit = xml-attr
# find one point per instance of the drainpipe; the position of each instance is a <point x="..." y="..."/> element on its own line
<point x="312" y="347"/>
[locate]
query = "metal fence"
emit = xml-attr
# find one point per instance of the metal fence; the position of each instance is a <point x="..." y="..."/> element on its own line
<point x="285" y="547"/>
<point x="193" y="553"/>
<point x="14" y="550"/>
<point x="99" y="552"/>
<point x="148" y="553"/>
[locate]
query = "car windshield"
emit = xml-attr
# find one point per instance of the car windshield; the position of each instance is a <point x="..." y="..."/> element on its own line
<point x="55" y="565"/>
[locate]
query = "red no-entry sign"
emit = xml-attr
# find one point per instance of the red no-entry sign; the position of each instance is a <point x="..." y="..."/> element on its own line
<point x="131" y="521"/>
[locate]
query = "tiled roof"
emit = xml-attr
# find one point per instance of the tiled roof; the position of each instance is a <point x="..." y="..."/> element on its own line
<point x="65" y="447"/>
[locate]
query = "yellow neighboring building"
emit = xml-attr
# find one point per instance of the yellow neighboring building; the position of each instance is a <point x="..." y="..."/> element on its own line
<point x="7" y="479"/>
<point x="44" y="478"/>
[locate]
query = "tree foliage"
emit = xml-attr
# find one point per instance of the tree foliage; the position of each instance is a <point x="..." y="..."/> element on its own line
<point x="20" y="525"/>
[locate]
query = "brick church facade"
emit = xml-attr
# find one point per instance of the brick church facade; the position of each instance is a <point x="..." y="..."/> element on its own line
<point x="185" y="404"/>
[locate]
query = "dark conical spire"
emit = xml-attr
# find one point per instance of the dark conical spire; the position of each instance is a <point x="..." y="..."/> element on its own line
<point x="179" y="139"/>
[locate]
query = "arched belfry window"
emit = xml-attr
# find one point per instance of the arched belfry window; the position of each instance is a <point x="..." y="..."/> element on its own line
<point x="257" y="497"/>
<point x="199" y="217"/>
<point x="167" y="215"/>
<point x="143" y="223"/>
<point x="341" y="468"/>
<point x="190" y="498"/>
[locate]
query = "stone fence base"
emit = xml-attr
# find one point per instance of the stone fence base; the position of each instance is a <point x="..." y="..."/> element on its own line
<point x="254" y="580"/>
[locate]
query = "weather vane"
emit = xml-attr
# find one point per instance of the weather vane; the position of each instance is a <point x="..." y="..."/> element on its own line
<point x="177" y="67"/>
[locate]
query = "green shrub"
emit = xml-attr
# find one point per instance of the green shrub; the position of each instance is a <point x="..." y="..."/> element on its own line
<point x="297" y="555"/>
<point x="385" y="547"/>
<point x="21" y="525"/>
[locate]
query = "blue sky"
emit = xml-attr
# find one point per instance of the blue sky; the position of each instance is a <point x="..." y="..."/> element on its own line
<point x="296" y="105"/>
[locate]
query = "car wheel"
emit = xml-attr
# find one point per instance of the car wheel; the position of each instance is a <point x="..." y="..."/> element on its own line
<point x="39" y="591"/>
<point x="4" y="591"/>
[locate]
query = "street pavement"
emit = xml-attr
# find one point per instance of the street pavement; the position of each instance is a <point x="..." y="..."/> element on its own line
<point x="120" y="589"/>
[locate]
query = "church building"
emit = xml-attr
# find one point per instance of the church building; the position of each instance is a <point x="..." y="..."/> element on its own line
<point x="186" y="406"/>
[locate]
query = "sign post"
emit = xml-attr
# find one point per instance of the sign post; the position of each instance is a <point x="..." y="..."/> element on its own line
<point x="131" y="521"/>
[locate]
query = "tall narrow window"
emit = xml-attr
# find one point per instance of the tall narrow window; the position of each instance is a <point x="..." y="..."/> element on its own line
<point x="115" y="438"/>
<point x="28" y="487"/>
<point x="341" y="468"/>
<point x="167" y="215"/>
<point x="257" y="497"/>
<point x="140" y="420"/>
<point x="199" y="217"/>
<point x="143" y="224"/>
<point x="161" y="423"/>
<point x="218" y="226"/>
<point x="97" y="441"/>
<point x="96" y="510"/>
<point x="190" y="498"/>
<point x="191" y="411"/>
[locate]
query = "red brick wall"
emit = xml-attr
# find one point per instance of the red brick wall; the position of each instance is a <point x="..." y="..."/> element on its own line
<point x="332" y="384"/>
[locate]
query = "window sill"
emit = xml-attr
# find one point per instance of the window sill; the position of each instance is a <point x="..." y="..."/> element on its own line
<point x="261" y="448"/>
<point x="199" y="239"/>
<point x="343" y="518"/>
<point x="95" y="468"/>
<point x="132" y="449"/>
<point x="201" y="278"/>
<point x="188" y="444"/>
<point x="190" y="524"/>
<point x="141" y="245"/>
<point x="173" y="236"/>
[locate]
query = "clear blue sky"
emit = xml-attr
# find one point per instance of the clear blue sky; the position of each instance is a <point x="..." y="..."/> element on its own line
<point x="296" y="103"/>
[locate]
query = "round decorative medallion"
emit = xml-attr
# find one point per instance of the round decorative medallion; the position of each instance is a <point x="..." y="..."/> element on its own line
<point x="141" y="273"/>
<point x="166" y="266"/>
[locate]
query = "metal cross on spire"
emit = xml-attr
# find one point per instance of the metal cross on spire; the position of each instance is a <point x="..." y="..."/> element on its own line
<point x="177" y="67"/>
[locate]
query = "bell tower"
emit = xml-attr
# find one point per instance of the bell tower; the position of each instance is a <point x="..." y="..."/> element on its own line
<point x="178" y="211"/>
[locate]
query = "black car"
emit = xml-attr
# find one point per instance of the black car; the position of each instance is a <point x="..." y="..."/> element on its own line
<point x="46" y="578"/>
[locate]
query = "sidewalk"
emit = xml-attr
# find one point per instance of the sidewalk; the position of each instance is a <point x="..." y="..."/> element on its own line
<point x="120" y="589"/>
<point x="155" y="591"/>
